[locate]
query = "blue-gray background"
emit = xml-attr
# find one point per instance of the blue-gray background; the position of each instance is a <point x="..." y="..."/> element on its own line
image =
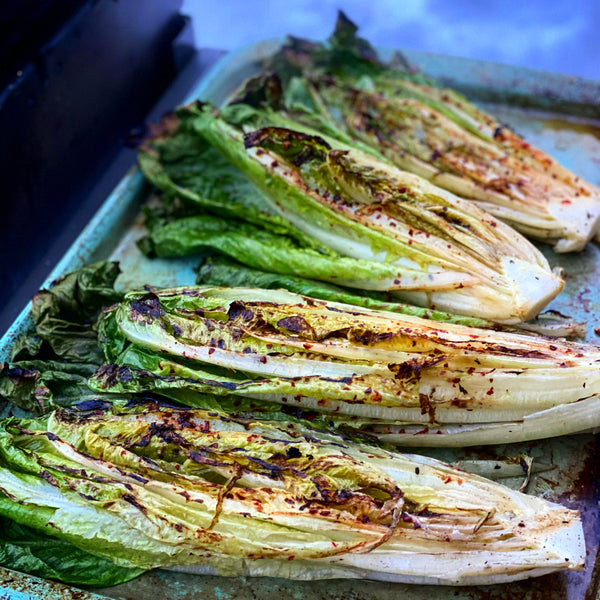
<point x="554" y="35"/>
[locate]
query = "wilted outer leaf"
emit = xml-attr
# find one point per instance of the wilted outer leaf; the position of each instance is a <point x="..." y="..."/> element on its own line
<point x="50" y="366"/>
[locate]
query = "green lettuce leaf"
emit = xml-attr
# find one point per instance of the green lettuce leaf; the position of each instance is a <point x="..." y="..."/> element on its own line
<point x="184" y="166"/>
<point x="261" y="248"/>
<point x="24" y="549"/>
<point x="50" y="365"/>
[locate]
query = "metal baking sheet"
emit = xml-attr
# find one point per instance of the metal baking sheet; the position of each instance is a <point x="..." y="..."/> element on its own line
<point x="558" y="113"/>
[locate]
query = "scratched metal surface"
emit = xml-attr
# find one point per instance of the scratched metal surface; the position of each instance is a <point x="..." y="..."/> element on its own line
<point x="558" y="113"/>
<point x="16" y="586"/>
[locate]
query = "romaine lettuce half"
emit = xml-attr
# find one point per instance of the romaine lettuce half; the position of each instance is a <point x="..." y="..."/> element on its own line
<point x="149" y="487"/>
<point x="446" y="252"/>
<point x="410" y="376"/>
<point x="344" y="88"/>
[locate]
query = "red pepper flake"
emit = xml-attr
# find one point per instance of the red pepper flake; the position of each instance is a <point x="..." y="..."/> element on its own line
<point x="490" y="391"/>
<point x="211" y="350"/>
<point x="565" y="201"/>
<point x="263" y="359"/>
<point x="292" y="556"/>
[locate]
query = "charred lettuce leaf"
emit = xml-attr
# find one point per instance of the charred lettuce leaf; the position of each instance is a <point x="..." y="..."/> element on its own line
<point x="41" y="385"/>
<point x="292" y="202"/>
<point x="64" y="315"/>
<point x="233" y="215"/>
<point x="50" y="366"/>
<point x="182" y="165"/>
<point x="344" y="54"/>
<point x="220" y="271"/>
